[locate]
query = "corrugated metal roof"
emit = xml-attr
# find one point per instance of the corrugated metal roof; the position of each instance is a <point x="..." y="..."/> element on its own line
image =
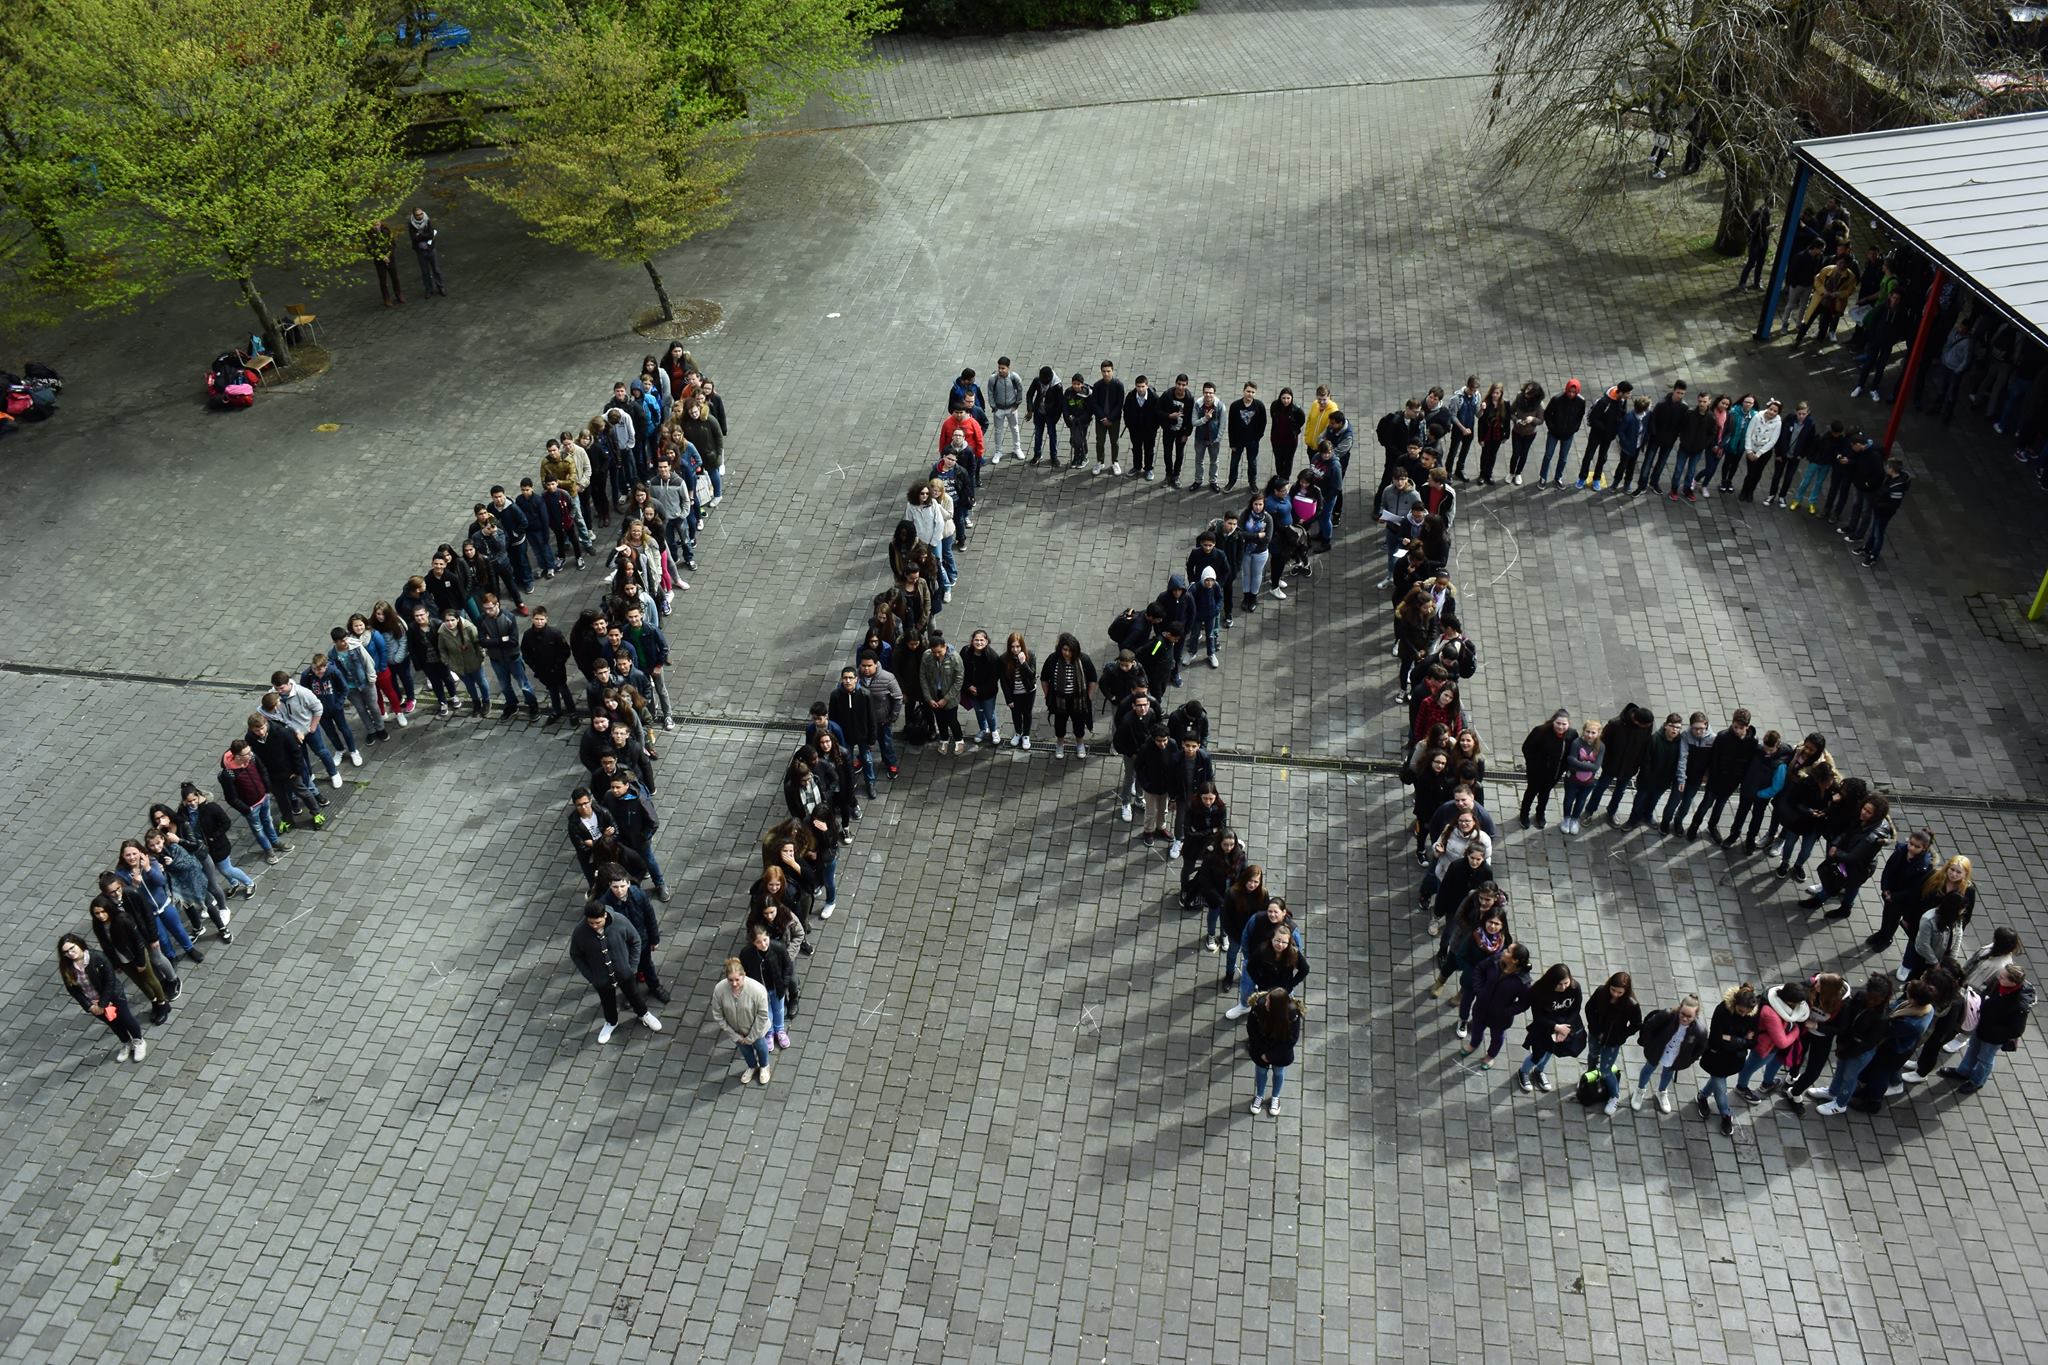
<point x="1973" y="195"/>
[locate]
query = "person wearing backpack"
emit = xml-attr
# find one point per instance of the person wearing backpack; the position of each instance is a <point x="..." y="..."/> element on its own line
<point x="1612" y="1018"/>
<point x="1672" y="1040"/>
<point x="1729" y="1039"/>
<point x="2001" y="1019"/>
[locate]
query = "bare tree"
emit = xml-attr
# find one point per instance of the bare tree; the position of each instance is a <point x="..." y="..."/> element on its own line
<point x="1732" y="81"/>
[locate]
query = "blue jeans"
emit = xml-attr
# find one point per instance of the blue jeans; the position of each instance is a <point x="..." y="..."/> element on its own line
<point x="1206" y="632"/>
<point x="1810" y="484"/>
<point x="1766" y="1062"/>
<point x="949" y="570"/>
<point x="777" y="1018"/>
<point x="886" y="738"/>
<point x="866" y="754"/>
<point x="646" y="852"/>
<point x="831" y="878"/>
<point x="754" y="1055"/>
<point x="1259" y="1074"/>
<point x="1560" y="446"/>
<point x="716" y="473"/>
<point x="985" y="714"/>
<point x="170" y="931"/>
<point x="1607" y="1057"/>
<point x="510" y="671"/>
<point x="479" y="690"/>
<point x="316" y="745"/>
<point x="232" y="873"/>
<point x="1874" y="544"/>
<point x="1682" y="474"/>
<point x="1848" y="1070"/>
<point x="1649" y="1070"/>
<point x="1709" y="465"/>
<point x="1717" y="1088"/>
<point x="1536" y="1063"/>
<point x="1576" y="796"/>
<point x="1653" y="468"/>
<point x="335" y="726"/>
<point x="1045" y="433"/>
<point x="1807" y="843"/>
<point x="1600" y="785"/>
<point x="263" y="825"/>
<point x="1977" y="1061"/>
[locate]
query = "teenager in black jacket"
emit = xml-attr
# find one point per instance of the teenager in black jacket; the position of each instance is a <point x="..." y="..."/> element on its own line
<point x="1728" y="760"/>
<point x="981" y="687"/>
<point x="1730" y="1038"/>
<point x="1555" y="1028"/>
<point x="1543" y="752"/>
<point x="1852" y="857"/>
<point x="1672" y="1040"/>
<point x="91" y="981"/>
<point x="1612" y="1018"/>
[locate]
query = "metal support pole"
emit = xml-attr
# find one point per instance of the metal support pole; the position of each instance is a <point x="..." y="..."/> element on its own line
<point x="1786" y="237"/>
<point x="2040" y="601"/>
<point x="1913" y="359"/>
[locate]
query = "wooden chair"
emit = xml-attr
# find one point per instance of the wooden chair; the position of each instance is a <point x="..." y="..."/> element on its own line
<point x="300" y="317"/>
<point x="258" y="363"/>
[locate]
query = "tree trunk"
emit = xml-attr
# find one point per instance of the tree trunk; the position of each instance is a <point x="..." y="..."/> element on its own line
<point x="45" y="227"/>
<point x="1731" y="238"/>
<point x="272" y="334"/>
<point x="668" y="310"/>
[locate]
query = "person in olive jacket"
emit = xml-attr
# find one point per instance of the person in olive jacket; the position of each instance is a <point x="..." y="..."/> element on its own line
<point x="1627" y="739"/>
<point x="1543" y="753"/>
<point x="1672" y="1040"/>
<point x="1730" y="1038"/>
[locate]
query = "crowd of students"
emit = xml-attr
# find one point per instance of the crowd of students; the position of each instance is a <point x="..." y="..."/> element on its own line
<point x="652" y="457"/>
<point x="1889" y="1034"/>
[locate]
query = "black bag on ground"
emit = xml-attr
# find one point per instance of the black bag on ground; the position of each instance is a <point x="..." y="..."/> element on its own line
<point x="1595" y="1087"/>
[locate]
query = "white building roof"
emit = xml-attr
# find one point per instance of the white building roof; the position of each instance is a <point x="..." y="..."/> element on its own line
<point x="1972" y="195"/>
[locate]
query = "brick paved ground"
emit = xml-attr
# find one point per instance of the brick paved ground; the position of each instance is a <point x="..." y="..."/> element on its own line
<point x="1014" y="1126"/>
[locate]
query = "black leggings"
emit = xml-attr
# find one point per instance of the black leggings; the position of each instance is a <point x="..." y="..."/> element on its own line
<point x="123" y="1023"/>
<point x="947" y="718"/>
<point x="1074" y="714"/>
<point x="1818" y="1046"/>
<point x="1519" y="456"/>
<point x="1020" y="713"/>
<point x="1489" y="451"/>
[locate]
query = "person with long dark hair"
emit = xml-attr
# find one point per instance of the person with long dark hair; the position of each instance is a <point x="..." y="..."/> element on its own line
<point x="1500" y="991"/>
<point x="1272" y="1032"/>
<point x="1068" y="679"/>
<point x="90" y="980"/>
<point x="1612" y="1018"/>
<point x="1555" y="1028"/>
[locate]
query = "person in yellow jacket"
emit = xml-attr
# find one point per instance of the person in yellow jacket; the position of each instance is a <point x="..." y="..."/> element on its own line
<point x="1318" y="417"/>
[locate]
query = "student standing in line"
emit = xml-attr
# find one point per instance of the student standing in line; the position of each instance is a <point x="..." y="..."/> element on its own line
<point x="1582" y="761"/>
<point x="2001" y="1019"/>
<point x="90" y="979"/>
<point x="606" y="949"/>
<point x="1500" y="991"/>
<point x="769" y="963"/>
<point x="123" y="946"/>
<point x="1612" y="1018"/>
<point x="1672" y="1040"/>
<point x="1272" y="1032"/>
<point x="1555" y="1028"/>
<point x="1826" y="994"/>
<point x="1779" y="1039"/>
<point x="739" y="1006"/>
<point x="1729" y="1039"/>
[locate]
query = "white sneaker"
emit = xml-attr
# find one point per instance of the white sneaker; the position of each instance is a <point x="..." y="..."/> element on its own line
<point x="1663" y="1102"/>
<point x="1518" y="480"/>
<point x="1904" y="973"/>
<point x="227" y="918"/>
<point x="1910" y="1076"/>
<point x="1258" y="1104"/>
<point x="1124" y="814"/>
<point x="1237" y="1012"/>
<point x="1099" y="467"/>
<point x="1832" y="1108"/>
<point x="355" y="756"/>
<point x="947" y="596"/>
<point x="1814" y="890"/>
<point x="1059" y="748"/>
<point x="1174" y="850"/>
<point x="1024" y="742"/>
<point x="830" y="906"/>
<point x="1613" y="1105"/>
<point x="336" y="779"/>
<point x="995" y="459"/>
<point x="681" y="586"/>
<point x="747" y="1076"/>
<point x="1955" y="1045"/>
<point x="1273" y="1106"/>
<point x="1385" y="583"/>
<point x="402" y="721"/>
<point x="653" y="1024"/>
<point x="1637" y="1102"/>
<point x="720" y="498"/>
<point x="1080" y="751"/>
<point x="604" y="1035"/>
<point x="995" y="737"/>
<point x="125" y="1053"/>
<point x="141" y="1048"/>
<point x="1212" y="944"/>
<point x="1116" y="467"/>
<point x="767" y="1074"/>
<point x="1280" y="593"/>
<point x="1213" y="663"/>
<point x="668" y="722"/>
<point x="1856" y="392"/>
<point x="1896" y="1089"/>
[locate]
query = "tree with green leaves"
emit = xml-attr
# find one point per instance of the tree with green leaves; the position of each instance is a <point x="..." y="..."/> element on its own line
<point x="628" y="119"/>
<point x="1739" y="80"/>
<point x="223" y="139"/>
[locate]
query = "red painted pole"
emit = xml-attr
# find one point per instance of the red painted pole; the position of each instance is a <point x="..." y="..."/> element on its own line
<point x="1913" y="358"/>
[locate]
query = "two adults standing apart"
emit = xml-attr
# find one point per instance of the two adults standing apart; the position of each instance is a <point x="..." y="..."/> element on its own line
<point x="425" y="245"/>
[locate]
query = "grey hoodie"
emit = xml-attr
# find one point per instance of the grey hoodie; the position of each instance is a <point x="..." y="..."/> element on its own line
<point x="1005" y="391"/>
<point x="1692" y="756"/>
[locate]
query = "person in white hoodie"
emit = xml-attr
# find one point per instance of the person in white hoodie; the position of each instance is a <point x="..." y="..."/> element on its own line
<point x="1759" y="444"/>
<point x="1778" y="1039"/>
